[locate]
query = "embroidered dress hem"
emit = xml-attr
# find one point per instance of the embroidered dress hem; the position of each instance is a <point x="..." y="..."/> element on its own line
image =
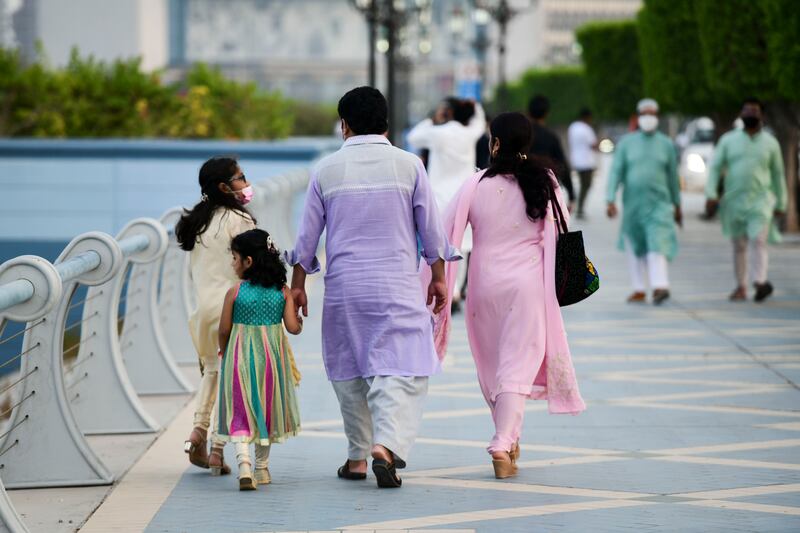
<point x="263" y="442"/>
<point x="257" y="387"/>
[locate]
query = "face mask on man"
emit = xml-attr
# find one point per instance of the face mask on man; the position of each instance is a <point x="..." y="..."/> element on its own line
<point x="751" y="122"/>
<point x="648" y="123"/>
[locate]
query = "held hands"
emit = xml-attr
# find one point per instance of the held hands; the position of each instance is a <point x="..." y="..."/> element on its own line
<point x="437" y="290"/>
<point x="300" y="301"/>
<point x="611" y="210"/>
<point x="678" y="216"/>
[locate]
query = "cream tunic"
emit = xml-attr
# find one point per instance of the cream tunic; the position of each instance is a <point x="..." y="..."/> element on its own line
<point x="212" y="276"/>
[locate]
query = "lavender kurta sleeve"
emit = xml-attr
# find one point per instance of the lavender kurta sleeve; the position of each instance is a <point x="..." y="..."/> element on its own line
<point x="308" y="235"/>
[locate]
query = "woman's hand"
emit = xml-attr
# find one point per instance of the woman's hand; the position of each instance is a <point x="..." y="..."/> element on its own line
<point x="611" y="210"/>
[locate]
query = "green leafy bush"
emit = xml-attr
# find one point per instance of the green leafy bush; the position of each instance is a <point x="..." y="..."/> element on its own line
<point x="91" y="98"/>
<point x="565" y="87"/>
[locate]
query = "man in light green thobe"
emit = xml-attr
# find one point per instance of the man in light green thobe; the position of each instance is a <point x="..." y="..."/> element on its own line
<point x="645" y="166"/>
<point x="755" y="191"/>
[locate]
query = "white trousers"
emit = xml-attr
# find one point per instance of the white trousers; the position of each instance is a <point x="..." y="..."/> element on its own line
<point x="262" y="455"/>
<point x="758" y="257"/>
<point x="653" y="264"/>
<point x="207" y="398"/>
<point x="382" y="410"/>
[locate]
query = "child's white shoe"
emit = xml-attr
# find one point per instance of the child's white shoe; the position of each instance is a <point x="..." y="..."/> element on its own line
<point x="262" y="476"/>
<point x="246" y="480"/>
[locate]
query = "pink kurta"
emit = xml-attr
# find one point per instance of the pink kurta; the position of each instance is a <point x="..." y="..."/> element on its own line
<point x="514" y="322"/>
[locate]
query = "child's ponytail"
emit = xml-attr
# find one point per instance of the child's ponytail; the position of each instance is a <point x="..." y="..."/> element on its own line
<point x="194" y="222"/>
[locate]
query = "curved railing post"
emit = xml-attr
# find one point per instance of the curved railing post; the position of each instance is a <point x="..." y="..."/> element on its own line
<point x="144" y="350"/>
<point x="99" y="390"/>
<point x="9" y="519"/>
<point x="175" y="300"/>
<point x="45" y="447"/>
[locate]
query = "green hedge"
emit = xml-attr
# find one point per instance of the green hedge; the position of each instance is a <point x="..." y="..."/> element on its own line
<point x="565" y="87"/>
<point x="90" y="98"/>
<point x="673" y="69"/>
<point x="610" y="53"/>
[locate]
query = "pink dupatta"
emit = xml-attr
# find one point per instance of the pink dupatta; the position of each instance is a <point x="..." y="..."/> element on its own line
<point x="556" y="380"/>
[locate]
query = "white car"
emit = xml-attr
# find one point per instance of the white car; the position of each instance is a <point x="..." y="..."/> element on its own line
<point x="697" y="143"/>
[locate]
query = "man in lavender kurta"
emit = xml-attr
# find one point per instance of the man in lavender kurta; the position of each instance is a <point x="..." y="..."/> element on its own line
<point x="377" y="342"/>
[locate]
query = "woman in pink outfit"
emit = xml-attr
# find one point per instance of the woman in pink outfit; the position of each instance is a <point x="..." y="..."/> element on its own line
<point x="513" y="320"/>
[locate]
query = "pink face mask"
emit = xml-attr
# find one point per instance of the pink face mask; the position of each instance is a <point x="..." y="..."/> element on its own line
<point x="245" y="195"/>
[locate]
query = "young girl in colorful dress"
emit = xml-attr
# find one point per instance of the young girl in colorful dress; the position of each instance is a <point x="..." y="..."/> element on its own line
<point x="205" y="231"/>
<point x="257" y="401"/>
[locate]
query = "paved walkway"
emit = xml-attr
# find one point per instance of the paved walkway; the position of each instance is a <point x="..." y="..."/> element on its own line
<point x="693" y="424"/>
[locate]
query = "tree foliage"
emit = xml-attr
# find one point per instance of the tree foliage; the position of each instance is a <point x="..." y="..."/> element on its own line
<point x="672" y="67"/>
<point x="782" y="22"/>
<point x="91" y="98"/>
<point x="610" y="52"/>
<point x="734" y="48"/>
<point x="565" y="87"/>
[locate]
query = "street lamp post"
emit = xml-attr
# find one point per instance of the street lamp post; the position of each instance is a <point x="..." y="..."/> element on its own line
<point x="502" y="12"/>
<point x="391" y="15"/>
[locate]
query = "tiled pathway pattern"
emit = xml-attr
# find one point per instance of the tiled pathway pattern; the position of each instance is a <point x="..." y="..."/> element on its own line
<point x="693" y="424"/>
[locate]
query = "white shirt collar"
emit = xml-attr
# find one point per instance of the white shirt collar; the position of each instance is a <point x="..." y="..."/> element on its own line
<point x="366" y="139"/>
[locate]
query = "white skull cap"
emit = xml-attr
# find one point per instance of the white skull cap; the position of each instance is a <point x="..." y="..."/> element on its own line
<point x="646" y="104"/>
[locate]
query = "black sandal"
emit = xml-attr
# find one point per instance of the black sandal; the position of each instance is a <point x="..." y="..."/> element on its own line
<point x="345" y="473"/>
<point x="386" y="474"/>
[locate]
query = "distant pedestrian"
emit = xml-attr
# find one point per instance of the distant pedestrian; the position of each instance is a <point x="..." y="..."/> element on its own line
<point x="375" y="202"/>
<point x="450" y="139"/>
<point x="514" y="321"/>
<point x="754" y="193"/>
<point x="206" y="232"/>
<point x="582" y="154"/>
<point x="645" y="166"/>
<point x="257" y="401"/>
<point x="547" y="146"/>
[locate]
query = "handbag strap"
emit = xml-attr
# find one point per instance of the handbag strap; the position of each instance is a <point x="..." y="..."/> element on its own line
<point x="561" y="224"/>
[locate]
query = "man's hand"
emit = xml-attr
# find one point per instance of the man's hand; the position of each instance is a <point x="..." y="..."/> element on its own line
<point x="678" y="216"/>
<point x="611" y="210"/>
<point x="300" y="300"/>
<point x="711" y="206"/>
<point x="779" y="214"/>
<point x="437" y="290"/>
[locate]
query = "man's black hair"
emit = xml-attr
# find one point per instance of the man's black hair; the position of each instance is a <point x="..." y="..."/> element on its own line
<point x="464" y="111"/>
<point x="755" y="101"/>
<point x="585" y="112"/>
<point x="365" y="111"/>
<point x="538" y="106"/>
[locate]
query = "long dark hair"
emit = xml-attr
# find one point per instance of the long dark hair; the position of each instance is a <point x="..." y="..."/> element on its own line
<point x="194" y="221"/>
<point x="514" y="132"/>
<point x="267" y="269"/>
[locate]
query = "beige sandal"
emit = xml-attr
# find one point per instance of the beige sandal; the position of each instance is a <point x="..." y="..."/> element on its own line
<point x="262" y="476"/>
<point x="504" y="468"/>
<point x="196" y="447"/>
<point x="246" y="480"/>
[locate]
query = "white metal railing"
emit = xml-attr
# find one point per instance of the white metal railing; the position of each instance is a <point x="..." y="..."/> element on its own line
<point x="117" y="357"/>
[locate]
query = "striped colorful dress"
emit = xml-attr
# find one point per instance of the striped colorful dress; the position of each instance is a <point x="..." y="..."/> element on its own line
<point x="257" y="401"/>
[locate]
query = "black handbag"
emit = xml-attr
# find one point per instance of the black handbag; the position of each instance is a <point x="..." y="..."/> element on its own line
<point x="576" y="277"/>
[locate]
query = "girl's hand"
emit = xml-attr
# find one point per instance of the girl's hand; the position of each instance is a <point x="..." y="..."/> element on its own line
<point x="300" y="300"/>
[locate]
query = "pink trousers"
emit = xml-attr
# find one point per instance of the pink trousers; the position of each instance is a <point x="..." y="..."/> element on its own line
<point x="508" y="410"/>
